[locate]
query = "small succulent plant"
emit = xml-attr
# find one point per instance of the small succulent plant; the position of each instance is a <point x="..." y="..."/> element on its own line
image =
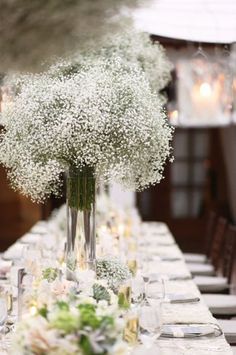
<point x="100" y="293"/>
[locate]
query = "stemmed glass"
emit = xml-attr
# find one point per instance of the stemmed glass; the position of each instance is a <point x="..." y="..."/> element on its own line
<point x="138" y="290"/>
<point x="25" y="284"/>
<point x="3" y="312"/>
<point x="145" y="270"/>
<point x="155" y="290"/>
<point x="150" y="323"/>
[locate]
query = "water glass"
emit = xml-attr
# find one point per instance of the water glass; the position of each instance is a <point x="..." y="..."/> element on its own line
<point x="150" y="323"/>
<point x="155" y="291"/>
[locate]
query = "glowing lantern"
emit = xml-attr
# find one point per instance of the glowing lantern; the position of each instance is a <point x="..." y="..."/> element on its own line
<point x="204" y="93"/>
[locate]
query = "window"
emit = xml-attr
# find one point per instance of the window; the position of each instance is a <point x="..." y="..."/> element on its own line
<point x="188" y="173"/>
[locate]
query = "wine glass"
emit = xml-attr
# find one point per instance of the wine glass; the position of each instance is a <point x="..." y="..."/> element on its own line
<point x="138" y="289"/>
<point x="155" y="291"/>
<point x="25" y="285"/>
<point x="4" y="342"/>
<point x="3" y="313"/>
<point x="145" y="271"/>
<point x="150" y="323"/>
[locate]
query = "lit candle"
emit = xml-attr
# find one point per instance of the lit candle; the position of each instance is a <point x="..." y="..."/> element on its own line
<point x="206" y="100"/>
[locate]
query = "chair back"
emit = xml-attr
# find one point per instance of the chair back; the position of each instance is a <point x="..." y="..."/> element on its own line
<point x="218" y="242"/>
<point x="210" y="228"/>
<point x="229" y="253"/>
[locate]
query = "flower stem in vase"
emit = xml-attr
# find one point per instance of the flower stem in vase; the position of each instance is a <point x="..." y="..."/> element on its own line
<point x="81" y="242"/>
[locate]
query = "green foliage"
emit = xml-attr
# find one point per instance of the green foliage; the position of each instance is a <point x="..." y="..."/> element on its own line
<point x="66" y="321"/>
<point x="100" y="293"/>
<point x="63" y="305"/>
<point x="50" y="274"/>
<point x="43" y="312"/>
<point x="88" y="317"/>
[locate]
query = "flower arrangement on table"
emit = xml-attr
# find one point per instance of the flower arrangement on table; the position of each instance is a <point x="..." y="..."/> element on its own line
<point x="96" y="117"/>
<point x="81" y="327"/>
<point x="63" y="318"/>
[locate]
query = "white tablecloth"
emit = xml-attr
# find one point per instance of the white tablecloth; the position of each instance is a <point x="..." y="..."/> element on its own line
<point x="162" y="244"/>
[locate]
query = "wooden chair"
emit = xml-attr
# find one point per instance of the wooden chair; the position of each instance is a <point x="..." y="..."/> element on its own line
<point x="215" y="252"/>
<point x="225" y="305"/>
<point x="221" y="283"/>
<point x="209" y="233"/>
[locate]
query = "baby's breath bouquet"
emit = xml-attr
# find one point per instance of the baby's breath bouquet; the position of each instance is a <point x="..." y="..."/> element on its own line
<point x="96" y="118"/>
<point x="25" y="27"/>
<point x="113" y="271"/>
<point x="135" y="47"/>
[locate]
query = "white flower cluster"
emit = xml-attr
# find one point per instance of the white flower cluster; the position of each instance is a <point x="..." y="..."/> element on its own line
<point x="100" y="113"/>
<point x="26" y="42"/>
<point x="137" y="48"/>
<point x="113" y="271"/>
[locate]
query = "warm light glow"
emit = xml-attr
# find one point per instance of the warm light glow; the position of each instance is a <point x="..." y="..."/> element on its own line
<point x="174" y="114"/>
<point x="173" y="117"/>
<point x="33" y="310"/>
<point x="204" y="93"/>
<point x="205" y="90"/>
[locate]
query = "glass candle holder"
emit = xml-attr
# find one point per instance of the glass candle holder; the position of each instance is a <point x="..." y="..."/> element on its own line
<point x="131" y="330"/>
<point x="132" y="265"/>
<point x="124" y="295"/>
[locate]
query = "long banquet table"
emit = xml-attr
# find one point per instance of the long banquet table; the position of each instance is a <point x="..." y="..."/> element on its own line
<point x="167" y="258"/>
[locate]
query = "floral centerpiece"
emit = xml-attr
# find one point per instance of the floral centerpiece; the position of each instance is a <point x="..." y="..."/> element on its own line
<point x="94" y="118"/>
<point x="58" y="317"/>
<point x="81" y="327"/>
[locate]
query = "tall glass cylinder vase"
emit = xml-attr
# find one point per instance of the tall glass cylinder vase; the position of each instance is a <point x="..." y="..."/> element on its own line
<point x="81" y="237"/>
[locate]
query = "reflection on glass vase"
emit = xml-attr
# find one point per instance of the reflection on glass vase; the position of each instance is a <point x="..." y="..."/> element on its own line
<point x="81" y="237"/>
